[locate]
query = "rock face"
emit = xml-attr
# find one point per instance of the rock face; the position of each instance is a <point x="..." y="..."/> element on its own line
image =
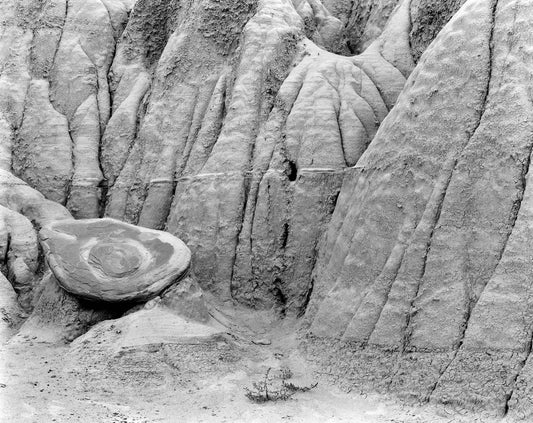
<point x="187" y="300"/>
<point x="424" y="275"/>
<point x="246" y="129"/>
<point x="19" y="251"/>
<point x="363" y="20"/>
<point x="163" y="114"/>
<point x="108" y="260"/>
<point x="23" y="211"/>
<point x="55" y="96"/>
<point x="428" y="17"/>
<point x="10" y="312"/>
<point x="62" y="317"/>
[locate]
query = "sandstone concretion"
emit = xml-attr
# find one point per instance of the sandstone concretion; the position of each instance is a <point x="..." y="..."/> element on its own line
<point x="108" y="260"/>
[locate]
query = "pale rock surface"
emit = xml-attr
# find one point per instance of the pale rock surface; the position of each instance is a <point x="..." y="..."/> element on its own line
<point x="145" y="328"/>
<point x="234" y="126"/>
<point x="108" y="260"/>
<point x="321" y="26"/>
<point x="11" y="314"/>
<point x="61" y="317"/>
<point x="23" y="210"/>
<point x="423" y="277"/>
<point x="55" y="97"/>
<point x="187" y="300"/>
<point x="246" y="194"/>
<point x="19" y="197"/>
<point x="163" y="114"/>
<point x="428" y="17"/>
<point x="19" y="252"/>
<point x="43" y="149"/>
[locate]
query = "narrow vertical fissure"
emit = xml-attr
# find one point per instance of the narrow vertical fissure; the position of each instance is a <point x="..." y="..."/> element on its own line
<point x="409" y="40"/>
<point x="5" y="259"/>
<point x="470" y="300"/>
<point x="434" y="223"/>
<point x="104" y="183"/>
<point x="280" y="297"/>
<point x="521" y="365"/>
<point x="62" y="30"/>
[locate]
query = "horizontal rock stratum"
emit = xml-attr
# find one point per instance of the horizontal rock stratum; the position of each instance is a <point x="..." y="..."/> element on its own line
<point x="108" y="260"/>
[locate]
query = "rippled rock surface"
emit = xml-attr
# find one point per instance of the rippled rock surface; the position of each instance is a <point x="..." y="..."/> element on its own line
<point x="108" y="260"/>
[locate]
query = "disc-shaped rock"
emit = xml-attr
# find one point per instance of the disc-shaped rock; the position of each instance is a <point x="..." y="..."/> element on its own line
<point x="108" y="260"/>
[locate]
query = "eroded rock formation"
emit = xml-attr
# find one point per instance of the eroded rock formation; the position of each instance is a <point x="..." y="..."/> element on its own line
<point x="108" y="260"/>
<point x="163" y="114"/>
<point x="424" y="273"/>
<point x="11" y="314"/>
<point x="243" y="126"/>
<point x="23" y="211"/>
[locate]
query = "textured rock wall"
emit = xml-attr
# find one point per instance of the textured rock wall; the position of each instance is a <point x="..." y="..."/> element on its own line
<point x="23" y="211"/>
<point x="423" y="277"/>
<point x="56" y="58"/>
<point x="259" y="181"/>
<point x="243" y="127"/>
<point x="427" y="18"/>
<point x="229" y="124"/>
<point x="11" y="314"/>
<point x="363" y="20"/>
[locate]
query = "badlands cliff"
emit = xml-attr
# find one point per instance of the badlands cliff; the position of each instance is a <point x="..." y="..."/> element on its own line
<point x="359" y="166"/>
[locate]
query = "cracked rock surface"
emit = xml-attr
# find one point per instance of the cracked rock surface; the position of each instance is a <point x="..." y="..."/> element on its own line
<point x="163" y="114"/>
<point x="424" y="273"/>
<point x="364" y="164"/>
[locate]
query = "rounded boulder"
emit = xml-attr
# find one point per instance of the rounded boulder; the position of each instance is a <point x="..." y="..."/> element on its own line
<point x="109" y="260"/>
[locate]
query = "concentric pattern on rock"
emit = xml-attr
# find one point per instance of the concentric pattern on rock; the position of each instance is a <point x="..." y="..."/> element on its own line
<point x="108" y="260"/>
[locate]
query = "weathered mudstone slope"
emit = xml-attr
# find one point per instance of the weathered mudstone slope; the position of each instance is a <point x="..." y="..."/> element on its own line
<point x="227" y="123"/>
<point x="424" y="277"/>
<point x="11" y="314"/>
<point x="257" y="140"/>
<point x="364" y="20"/>
<point x="23" y="211"/>
<point x="55" y="98"/>
<point x="275" y="155"/>
<point x="234" y="125"/>
<point x="427" y="19"/>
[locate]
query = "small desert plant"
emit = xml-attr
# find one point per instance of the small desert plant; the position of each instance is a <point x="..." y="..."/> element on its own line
<point x="285" y="373"/>
<point x="266" y="390"/>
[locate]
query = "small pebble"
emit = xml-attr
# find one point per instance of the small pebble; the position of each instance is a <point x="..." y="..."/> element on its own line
<point x="262" y="341"/>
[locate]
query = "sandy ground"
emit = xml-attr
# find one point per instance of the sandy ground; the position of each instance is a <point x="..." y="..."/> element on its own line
<point x="200" y="382"/>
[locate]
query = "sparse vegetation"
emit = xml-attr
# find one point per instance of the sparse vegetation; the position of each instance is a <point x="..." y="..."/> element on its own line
<point x="269" y="389"/>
